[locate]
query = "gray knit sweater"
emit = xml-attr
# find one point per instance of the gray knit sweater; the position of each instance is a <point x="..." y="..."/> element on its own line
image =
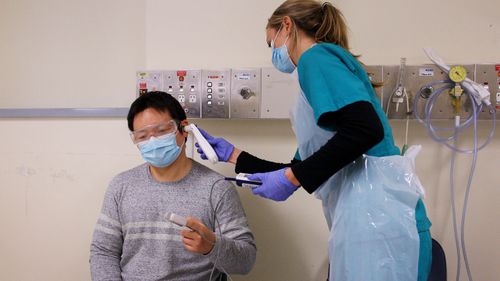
<point x="133" y="241"/>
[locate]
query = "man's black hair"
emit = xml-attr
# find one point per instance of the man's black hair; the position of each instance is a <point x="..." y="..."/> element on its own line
<point x="161" y="102"/>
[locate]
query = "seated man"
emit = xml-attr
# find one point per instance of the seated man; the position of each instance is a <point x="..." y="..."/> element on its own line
<point x="133" y="240"/>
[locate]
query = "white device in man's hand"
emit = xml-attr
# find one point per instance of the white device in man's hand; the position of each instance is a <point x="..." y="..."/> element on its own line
<point x="178" y="220"/>
<point x="204" y="145"/>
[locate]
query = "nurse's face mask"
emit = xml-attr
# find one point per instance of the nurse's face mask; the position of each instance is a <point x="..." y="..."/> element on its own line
<point x="281" y="58"/>
<point x="158" y="143"/>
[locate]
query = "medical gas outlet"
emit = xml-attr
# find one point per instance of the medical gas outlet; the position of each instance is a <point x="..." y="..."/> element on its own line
<point x="245" y="93"/>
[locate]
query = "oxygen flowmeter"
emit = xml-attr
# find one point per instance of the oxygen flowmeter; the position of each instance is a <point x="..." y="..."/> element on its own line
<point x="457" y="74"/>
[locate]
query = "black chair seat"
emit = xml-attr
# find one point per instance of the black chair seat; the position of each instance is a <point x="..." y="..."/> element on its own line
<point x="438" y="266"/>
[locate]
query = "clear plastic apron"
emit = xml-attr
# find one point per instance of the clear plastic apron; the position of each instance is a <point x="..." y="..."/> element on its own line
<point x="369" y="206"/>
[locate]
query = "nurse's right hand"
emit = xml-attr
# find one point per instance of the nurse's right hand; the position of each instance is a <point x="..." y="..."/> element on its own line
<point x="222" y="147"/>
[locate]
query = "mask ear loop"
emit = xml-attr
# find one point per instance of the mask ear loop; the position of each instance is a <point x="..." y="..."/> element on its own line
<point x="284" y="43"/>
<point x="276" y="36"/>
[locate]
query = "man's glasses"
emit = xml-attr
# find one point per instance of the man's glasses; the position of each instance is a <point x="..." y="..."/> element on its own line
<point x="157" y="130"/>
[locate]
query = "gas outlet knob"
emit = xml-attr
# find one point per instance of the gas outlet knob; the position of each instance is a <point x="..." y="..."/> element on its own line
<point x="426" y="92"/>
<point x="246" y="93"/>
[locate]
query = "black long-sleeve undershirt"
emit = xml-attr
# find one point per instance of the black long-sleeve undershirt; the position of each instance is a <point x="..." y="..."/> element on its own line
<point x="358" y="128"/>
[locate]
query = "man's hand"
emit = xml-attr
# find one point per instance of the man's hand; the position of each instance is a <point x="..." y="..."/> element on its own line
<point x="198" y="239"/>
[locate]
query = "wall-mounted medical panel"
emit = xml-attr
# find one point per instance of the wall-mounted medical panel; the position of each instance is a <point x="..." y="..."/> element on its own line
<point x="269" y="94"/>
<point x="376" y="75"/>
<point x="488" y="75"/>
<point x="185" y="86"/>
<point x="148" y="81"/>
<point x="216" y="91"/>
<point x="245" y="93"/>
<point x="279" y="92"/>
<point x="415" y="78"/>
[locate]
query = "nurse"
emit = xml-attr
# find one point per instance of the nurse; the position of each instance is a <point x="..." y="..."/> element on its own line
<point x="346" y="155"/>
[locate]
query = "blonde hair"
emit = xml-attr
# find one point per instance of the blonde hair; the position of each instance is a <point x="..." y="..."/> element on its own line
<point x="321" y="21"/>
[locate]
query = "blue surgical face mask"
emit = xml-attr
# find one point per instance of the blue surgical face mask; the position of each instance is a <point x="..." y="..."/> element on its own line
<point x="160" y="151"/>
<point x="281" y="58"/>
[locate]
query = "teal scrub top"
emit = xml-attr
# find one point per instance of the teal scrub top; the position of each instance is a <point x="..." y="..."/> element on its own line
<point x="331" y="78"/>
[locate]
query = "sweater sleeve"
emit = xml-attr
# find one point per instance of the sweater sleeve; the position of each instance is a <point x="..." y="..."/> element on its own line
<point x="234" y="251"/>
<point x="107" y="241"/>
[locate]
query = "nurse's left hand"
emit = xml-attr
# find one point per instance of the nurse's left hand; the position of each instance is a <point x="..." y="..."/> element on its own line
<point x="275" y="185"/>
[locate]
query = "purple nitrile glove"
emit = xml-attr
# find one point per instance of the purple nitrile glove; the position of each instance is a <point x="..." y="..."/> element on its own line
<point x="275" y="185"/>
<point x="222" y="148"/>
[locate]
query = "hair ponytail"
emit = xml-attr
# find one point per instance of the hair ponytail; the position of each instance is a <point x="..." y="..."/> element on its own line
<point x="333" y="28"/>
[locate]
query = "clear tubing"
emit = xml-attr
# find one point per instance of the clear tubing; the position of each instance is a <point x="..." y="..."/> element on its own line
<point x="388" y="104"/>
<point x="433" y="131"/>
<point x="465" y="206"/>
<point x="454" y="213"/>
<point x="430" y="104"/>
<point x="466" y="198"/>
<point x="408" y="113"/>
<point x="458" y="129"/>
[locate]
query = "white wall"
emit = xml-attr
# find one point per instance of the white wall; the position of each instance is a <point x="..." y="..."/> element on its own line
<point x="70" y="53"/>
<point x="53" y="172"/>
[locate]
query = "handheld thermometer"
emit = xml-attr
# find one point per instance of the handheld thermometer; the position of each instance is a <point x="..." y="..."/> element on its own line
<point x="204" y="145"/>
<point x="178" y="220"/>
<point x="243" y="181"/>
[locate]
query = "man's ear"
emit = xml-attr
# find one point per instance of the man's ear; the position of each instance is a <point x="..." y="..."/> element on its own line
<point x="183" y="124"/>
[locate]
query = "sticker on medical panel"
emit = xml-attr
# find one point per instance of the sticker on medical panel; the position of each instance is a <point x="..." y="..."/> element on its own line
<point x="426" y="72"/>
<point x="244" y="76"/>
